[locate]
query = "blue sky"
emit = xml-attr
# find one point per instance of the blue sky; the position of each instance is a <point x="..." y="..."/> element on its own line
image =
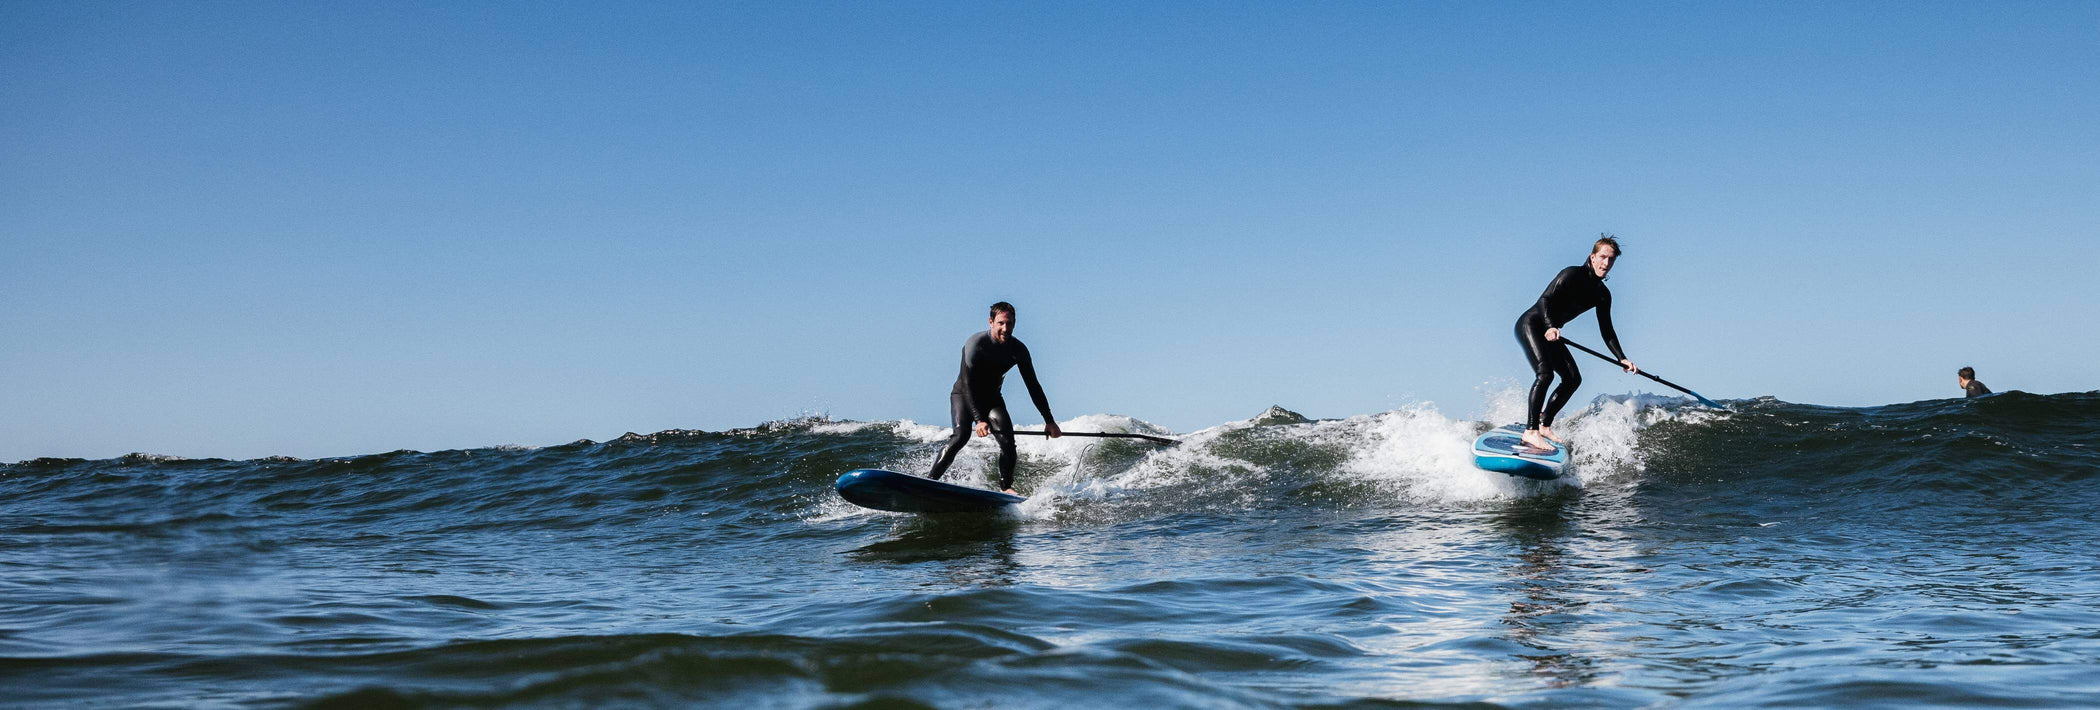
<point x="246" y="229"/>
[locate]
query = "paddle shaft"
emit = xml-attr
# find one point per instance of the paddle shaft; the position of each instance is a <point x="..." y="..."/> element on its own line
<point x="1643" y="373"/>
<point x="1102" y="435"/>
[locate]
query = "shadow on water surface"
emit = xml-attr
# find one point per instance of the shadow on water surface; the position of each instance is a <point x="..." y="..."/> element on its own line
<point x="980" y="548"/>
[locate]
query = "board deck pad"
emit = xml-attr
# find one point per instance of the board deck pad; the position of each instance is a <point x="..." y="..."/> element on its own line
<point x="1503" y="450"/>
<point x="906" y="493"/>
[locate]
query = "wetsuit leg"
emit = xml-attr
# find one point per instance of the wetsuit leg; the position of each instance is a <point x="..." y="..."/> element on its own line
<point x="1002" y="431"/>
<point x="1570" y="378"/>
<point x="1547" y="359"/>
<point x="959" y="411"/>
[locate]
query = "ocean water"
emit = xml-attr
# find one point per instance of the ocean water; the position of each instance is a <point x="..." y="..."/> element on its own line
<point x="1776" y="554"/>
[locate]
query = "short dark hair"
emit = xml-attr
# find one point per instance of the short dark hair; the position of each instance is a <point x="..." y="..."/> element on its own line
<point x="1604" y="238"/>
<point x="1008" y="308"/>
<point x="1966" y="373"/>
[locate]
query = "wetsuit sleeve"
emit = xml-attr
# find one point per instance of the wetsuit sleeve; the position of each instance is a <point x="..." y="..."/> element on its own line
<point x="1545" y="309"/>
<point x="1611" y="336"/>
<point x="1035" y="389"/>
<point x="968" y="383"/>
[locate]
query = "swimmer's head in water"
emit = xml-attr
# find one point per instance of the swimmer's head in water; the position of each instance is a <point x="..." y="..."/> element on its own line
<point x="1603" y="254"/>
<point x="1966" y="374"/>
<point x="1002" y="321"/>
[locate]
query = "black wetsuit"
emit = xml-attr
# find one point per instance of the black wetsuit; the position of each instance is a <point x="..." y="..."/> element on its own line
<point x="976" y="398"/>
<point x="1575" y="290"/>
<point x="1976" y="389"/>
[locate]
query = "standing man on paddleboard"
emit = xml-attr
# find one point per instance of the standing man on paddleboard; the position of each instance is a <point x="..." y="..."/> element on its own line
<point x="1575" y="290"/>
<point x="976" y="404"/>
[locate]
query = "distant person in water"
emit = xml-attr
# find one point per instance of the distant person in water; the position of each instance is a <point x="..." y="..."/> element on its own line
<point x="976" y="404"/>
<point x="1574" y="290"/>
<point x="1967" y="379"/>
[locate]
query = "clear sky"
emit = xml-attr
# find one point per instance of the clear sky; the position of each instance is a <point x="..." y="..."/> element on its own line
<point x="323" y="229"/>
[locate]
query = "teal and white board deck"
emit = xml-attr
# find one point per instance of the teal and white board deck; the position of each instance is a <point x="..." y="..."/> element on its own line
<point x="1503" y="450"/>
<point x="906" y="493"/>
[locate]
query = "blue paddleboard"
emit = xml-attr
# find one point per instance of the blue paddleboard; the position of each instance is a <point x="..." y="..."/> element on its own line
<point x="1502" y="450"/>
<point x="905" y="493"/>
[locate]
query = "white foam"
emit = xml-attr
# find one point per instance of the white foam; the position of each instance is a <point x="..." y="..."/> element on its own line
<point x="1606" y="434"/>
<point x="1422" y="454"/>
<point x="829" y="507"/>
<point x="1414" y="452"/>
<point x="1160" y="468"/>
<point x="841" y="427"/>
<point x="923" y="433"/>
<point x="1503" y="401"/>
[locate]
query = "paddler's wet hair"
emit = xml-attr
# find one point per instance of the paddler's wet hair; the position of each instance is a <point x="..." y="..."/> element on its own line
<point x="1604" y="238"/>
<point x="998" y="308"/>
<point x="1966" y="373"/>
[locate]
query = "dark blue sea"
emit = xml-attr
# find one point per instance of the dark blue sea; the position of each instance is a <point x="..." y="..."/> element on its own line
<point x="1776" y="554"/>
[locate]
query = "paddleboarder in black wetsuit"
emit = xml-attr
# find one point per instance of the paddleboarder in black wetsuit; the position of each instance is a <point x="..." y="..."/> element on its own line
<point x="976" y="404"/>
<point x="1575" y="290"/>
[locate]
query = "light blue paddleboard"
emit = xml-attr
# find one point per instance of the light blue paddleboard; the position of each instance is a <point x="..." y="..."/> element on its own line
<point x="906" y="493"/>
<point x="1503" y="450"/>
